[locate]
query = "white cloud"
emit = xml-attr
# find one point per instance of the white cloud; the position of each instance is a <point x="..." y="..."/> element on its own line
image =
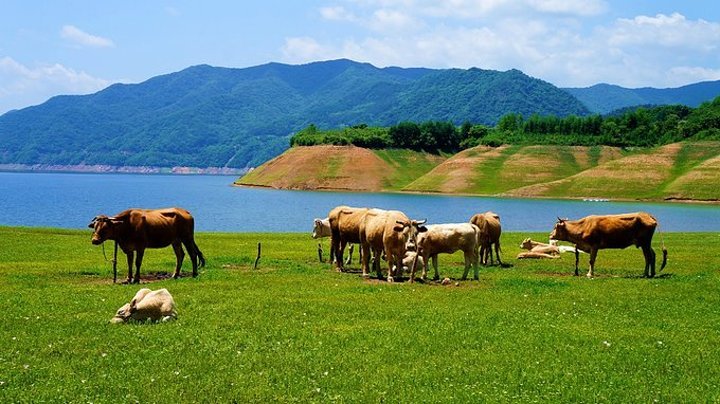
<point x="76" y="35"/>
<point x="304" y="49"/>
<point x="21" y="86"/>
<point x="562" y="42"/>
<point x="336" y="13"/>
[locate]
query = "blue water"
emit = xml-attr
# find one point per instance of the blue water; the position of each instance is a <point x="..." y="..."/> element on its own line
<point x="72" y="200"/>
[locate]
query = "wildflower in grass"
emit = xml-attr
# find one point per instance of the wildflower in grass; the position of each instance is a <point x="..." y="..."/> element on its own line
<point x="607" y="344"/>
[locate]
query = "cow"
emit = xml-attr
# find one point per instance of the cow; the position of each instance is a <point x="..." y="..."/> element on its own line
<point x="321" y="229"/>
<point x="134" y="230"/>
<point x="407" y="262"/>
<point x="389" y="232"/>
<point x="490" y="230"/>
<point x="447" y="239"/>
<point x="345" y="228"/>
<point x="552" y="248"/>
<point x="593" y="233"/>
<point x="150" y="305"/>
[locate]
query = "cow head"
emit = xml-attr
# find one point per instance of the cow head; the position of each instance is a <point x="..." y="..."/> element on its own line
<point x="526" y="244"/>
<point x="410" y="230"/>
<point x="317" y="229"/>
<point x="123" y="314"/>
<point x="560" y="231"/>
<point x="105" y="228"/>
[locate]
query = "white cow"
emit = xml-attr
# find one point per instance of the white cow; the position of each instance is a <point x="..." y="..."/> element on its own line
<point x="155" y="305"/>
<point x="447" y="239"/>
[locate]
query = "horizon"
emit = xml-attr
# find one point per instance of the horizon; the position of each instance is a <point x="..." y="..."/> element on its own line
<point x="88" y="46"/>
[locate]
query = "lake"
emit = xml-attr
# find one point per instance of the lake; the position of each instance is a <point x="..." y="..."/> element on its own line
<point x="68" y="200"/>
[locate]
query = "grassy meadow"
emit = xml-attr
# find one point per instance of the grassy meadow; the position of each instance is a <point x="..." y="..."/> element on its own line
<point x="294" y="330"/>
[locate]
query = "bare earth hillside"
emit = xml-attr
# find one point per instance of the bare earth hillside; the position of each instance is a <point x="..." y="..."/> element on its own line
<point x="347" y="168"/>
<point x="679" y="171"/>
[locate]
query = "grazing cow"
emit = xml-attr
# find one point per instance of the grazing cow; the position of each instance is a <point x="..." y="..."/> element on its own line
<point x="137" y="229"/>
<point x="150" y="305"/>
<point x="593" y="233"/>
<point x="389" y="232"/>
<point x="490" y="230"/>
<point x="345" y="228"/>
<point x="446" y="239"/>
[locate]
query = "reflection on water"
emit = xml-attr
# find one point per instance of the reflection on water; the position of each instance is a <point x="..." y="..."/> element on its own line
<point x="72" y="200"/>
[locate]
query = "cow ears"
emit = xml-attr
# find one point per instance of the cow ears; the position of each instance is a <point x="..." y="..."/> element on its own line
<point x="422" y="229"/>
<point x="398" y="228"/>
<point x="133" y="305"/>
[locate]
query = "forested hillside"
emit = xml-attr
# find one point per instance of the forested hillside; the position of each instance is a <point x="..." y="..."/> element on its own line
<point x="208" y="116"/>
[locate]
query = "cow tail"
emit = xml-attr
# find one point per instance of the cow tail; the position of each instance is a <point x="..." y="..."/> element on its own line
<point x="664" y="250"/>
<point x="200" y="255"/>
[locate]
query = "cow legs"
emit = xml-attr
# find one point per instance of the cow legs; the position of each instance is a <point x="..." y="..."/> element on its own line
<point x="130" y="256"/>
<point x="350" y="252"/>
<point x="435" y="267"/>
<point x="497" y="252"/>
<point x="365" y="260"/>
<point x="193" y="252"/>
<point x="649" y="261"/>
<point x="138" y="262"/>
<point x="593" y="255"/>
<point x="577" y="260"/>
<point x="179" y="256"/>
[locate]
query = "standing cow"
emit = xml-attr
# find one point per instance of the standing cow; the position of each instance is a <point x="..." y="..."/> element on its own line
<point x="490" y="230"/>
<point x="446" y="239"/>
<point x="593" y="233"/>
<point x="345" y="228"/>
<point x="137" y="229"/>
<point x="389" y="232"/>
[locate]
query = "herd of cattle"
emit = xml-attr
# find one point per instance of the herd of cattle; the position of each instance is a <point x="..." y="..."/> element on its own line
<point x="389" y="234"/>
<point x="406" y="243"/>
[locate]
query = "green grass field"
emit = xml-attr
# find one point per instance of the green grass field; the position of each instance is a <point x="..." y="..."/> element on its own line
<point x="294" y="330"/>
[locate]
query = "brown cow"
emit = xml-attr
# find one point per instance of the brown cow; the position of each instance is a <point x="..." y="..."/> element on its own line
<point x="345" y="228"/>
<point x="137" y="229"/>
<point x="593" y="233"/>
<point x="389" y="232"/>
<point x="490" y="230"/>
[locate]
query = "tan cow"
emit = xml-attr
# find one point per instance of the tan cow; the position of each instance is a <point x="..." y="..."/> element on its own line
<point x="446" y="239"/>
<point x="157" y="305"/>
<point x="388" y="232"/>
<point x="593" y="233"/>
<point x="345" y="228"/>
<point x="490" y="230"/>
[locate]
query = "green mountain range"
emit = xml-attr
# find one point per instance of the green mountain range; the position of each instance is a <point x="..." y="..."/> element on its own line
<point x="606" y="98"/>
<point x="207" y="116"/>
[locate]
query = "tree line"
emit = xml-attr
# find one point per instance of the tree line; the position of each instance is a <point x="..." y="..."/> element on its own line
<point x="645" y="126"/>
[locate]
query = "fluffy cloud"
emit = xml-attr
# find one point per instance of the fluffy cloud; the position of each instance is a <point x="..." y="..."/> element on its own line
<point x="79" y="37"/>
<point x="549" y="39"/>
<point x="21" y="85"/>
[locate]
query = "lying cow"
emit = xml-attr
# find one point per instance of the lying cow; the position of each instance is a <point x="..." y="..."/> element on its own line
<point x="150" y="305"/>
<point x="447" y="239"/>
<point x="593" y="233"/>
<point x="137" y="229"/>
<point x="407" y="262"/>
<point x="537" y="249"/>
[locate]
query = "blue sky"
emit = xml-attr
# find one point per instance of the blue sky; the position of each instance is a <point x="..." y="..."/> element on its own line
<point x="81" y="46"/>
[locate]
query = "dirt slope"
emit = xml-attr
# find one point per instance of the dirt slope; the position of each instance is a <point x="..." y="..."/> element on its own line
<point x="342" y="168"/>
<point x="677" y="171"/>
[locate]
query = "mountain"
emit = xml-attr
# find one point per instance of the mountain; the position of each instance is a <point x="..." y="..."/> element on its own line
<point x="605" y="98"/>
<point x="207" y="116"/>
